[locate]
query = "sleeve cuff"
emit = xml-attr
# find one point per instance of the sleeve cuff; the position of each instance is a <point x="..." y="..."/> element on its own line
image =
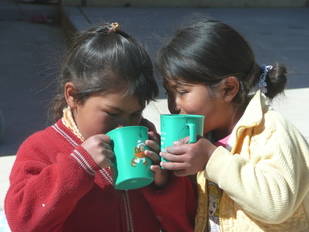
<point x="85" y="160"/>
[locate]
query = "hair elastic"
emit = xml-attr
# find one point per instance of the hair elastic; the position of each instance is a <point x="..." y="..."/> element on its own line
<point x="262" y="79"/>
<point x="113" y="27"/>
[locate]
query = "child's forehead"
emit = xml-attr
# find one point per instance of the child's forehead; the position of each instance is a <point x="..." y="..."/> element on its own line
<point x="119" y="100"/>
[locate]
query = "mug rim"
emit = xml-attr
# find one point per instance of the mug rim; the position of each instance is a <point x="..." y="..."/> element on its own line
<point x="124" y="128"/>
<point x="183" y="115"/>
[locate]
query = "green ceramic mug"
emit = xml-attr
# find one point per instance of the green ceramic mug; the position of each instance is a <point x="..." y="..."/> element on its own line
<point x="131" y="167"/>
<point x="178" y="126"/>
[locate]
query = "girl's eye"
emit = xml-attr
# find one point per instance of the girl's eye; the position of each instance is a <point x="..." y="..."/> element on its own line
<point x="112" y="114"/>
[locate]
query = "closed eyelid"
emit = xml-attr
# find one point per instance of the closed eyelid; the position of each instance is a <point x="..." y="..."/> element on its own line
<point x="113" y="114"/>
<point x="113" y="109"/>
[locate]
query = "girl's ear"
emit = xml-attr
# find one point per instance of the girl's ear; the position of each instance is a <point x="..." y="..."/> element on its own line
<point x="69" y="90"/>
<point x="230" y="87"/>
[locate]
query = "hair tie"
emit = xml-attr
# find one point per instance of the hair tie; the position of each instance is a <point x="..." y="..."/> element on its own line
<point x="262" y="79"/>
<point x="113" y="27"/>
<point x="105" y="29"/>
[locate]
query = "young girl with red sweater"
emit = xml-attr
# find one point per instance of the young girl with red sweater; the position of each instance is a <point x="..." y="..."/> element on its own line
<point x="62" y="180"/>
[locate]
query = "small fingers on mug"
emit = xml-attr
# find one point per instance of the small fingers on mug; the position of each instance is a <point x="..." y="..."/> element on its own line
<point x="104" y="138"/>
<point x="106" y="163"/>
<point x="154" y="136"/>
<point x="153" y="156"/>
<point x="182" y="141"/>
<point x="109" y="154"/>
<point x="173" y="166"/>
<point x="110" y="163"/>
<point x="155" y="168"/>
<point x="153" y="145"/>
<point x="172" y="157"/>
<point x="176" y="143"/>
<point x="106" y="146"/>
<point x="178" y="149"/>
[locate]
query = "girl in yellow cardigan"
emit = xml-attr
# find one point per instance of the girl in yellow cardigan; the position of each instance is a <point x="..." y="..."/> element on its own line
<point x="252" y="165"/>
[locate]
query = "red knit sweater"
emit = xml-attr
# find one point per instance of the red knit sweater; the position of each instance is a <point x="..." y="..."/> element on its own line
<point x="56" y="186"/>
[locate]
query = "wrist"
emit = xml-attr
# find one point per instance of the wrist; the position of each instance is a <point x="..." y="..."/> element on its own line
<point x="210" y="149"/>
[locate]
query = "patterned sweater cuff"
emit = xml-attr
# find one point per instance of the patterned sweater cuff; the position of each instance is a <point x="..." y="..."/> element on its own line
<point x="85" y="160"/>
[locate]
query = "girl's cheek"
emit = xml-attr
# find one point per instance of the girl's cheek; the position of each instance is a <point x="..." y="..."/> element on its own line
<point x="107" y="124"/>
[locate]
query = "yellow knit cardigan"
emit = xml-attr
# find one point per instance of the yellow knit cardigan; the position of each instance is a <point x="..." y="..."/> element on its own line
<point x="265" y="177"/>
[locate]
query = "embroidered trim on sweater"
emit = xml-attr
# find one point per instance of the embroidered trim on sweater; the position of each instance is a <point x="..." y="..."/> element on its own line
<point x="67" y="137"/>
<point x="69" y="122"/>
<point x="106" y="175"/>
<point x="81" y="160"/>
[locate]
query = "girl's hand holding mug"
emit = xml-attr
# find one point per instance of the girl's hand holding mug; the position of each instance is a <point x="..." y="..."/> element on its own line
<point x="187" y="159"/>
<point x="99" y="148"/>
<point x="160" y="175"/>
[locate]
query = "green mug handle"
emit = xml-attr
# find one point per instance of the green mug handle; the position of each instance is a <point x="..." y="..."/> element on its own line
<point x="192" y="132"/>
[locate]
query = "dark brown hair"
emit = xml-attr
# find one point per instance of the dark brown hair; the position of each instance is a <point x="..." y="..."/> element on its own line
<point x="209" y="51"/>
<point x="105" y="58"/>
